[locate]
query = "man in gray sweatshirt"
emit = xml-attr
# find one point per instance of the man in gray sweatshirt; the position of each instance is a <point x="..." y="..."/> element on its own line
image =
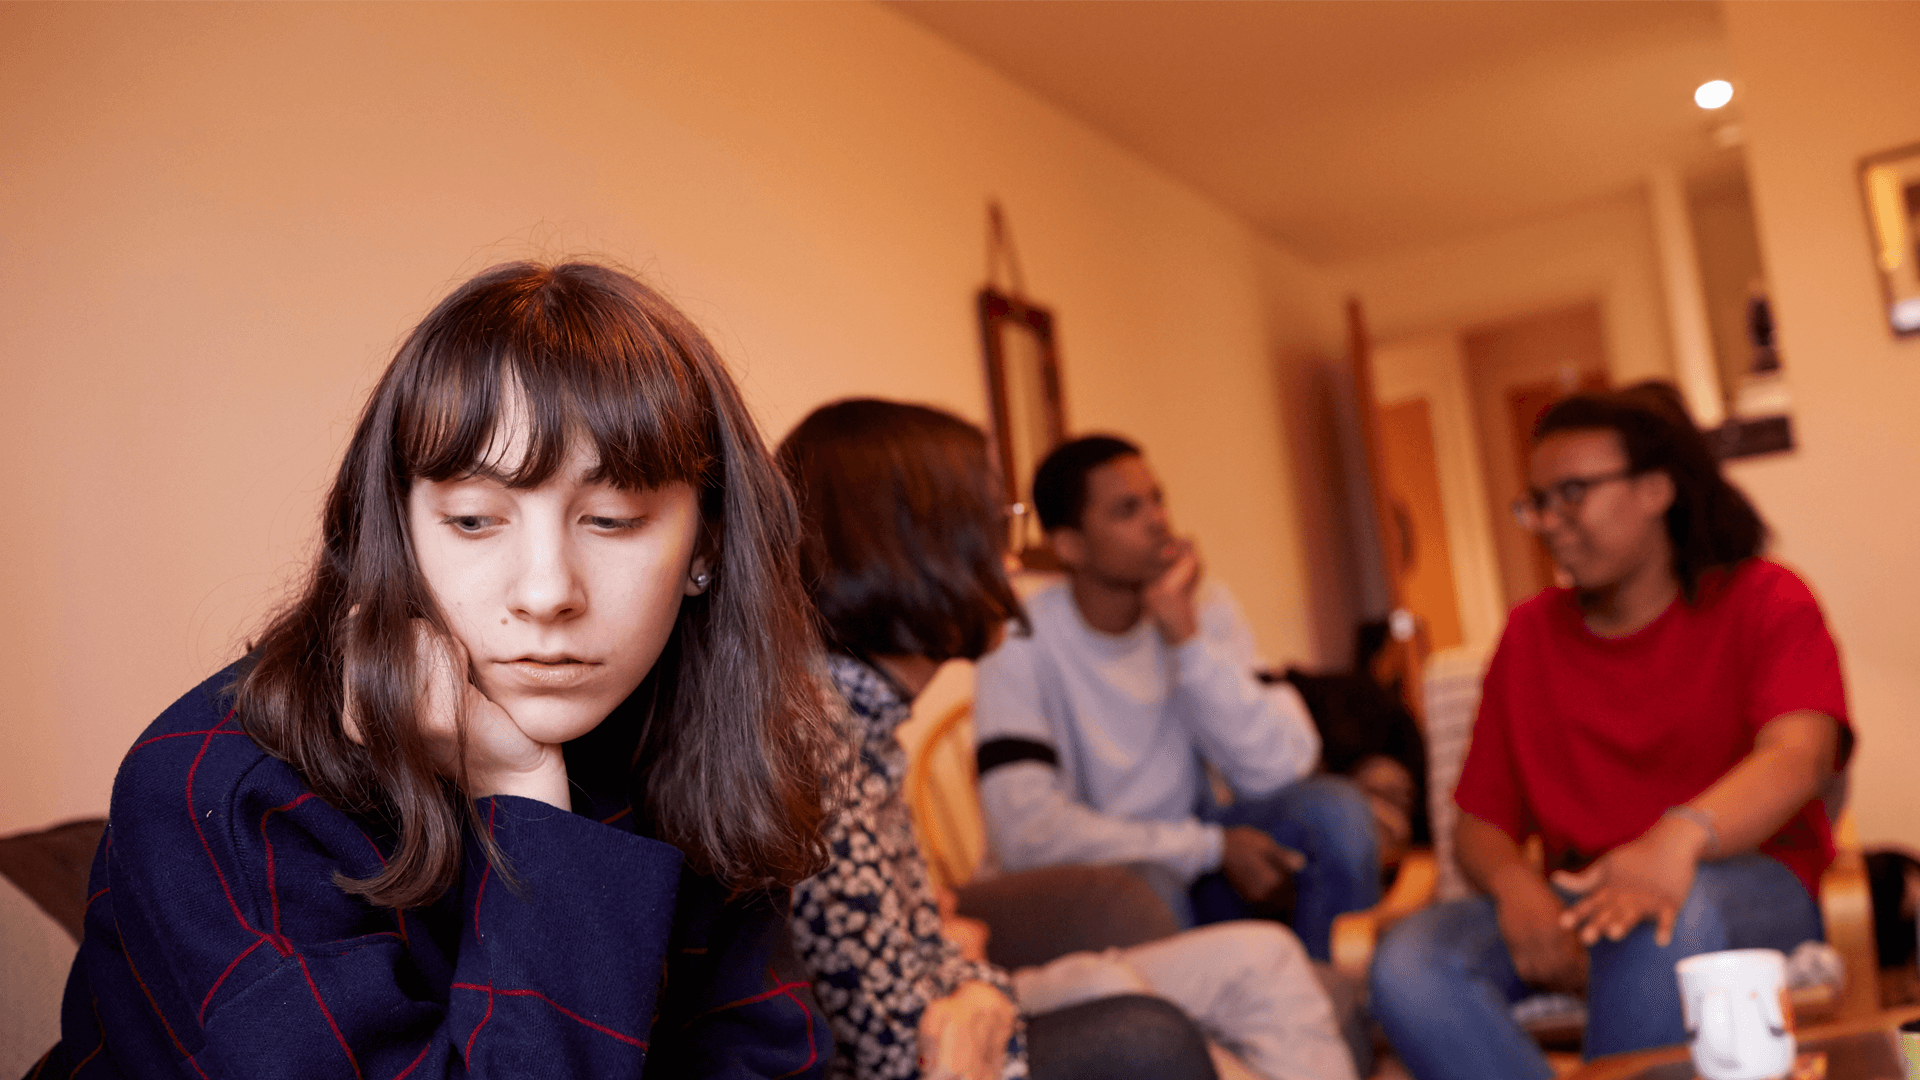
<point x="1094" y="732"/>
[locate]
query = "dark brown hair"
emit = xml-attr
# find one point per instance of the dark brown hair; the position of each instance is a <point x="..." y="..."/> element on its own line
<point x="1060" y="481"/>
<point x="734" y="730"/>
<point x="904" y="530"/>
<point x="1711" y="523"/>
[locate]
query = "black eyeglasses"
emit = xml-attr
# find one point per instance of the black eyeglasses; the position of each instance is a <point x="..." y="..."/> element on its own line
<point x="1560" y="497"/>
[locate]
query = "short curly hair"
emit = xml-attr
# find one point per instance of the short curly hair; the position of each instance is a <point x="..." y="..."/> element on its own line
<point x="1060" y="483"/>
<point x="1711" y="523"/>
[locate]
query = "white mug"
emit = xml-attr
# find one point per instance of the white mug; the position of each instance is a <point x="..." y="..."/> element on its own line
<point x="1739" y="1021"/>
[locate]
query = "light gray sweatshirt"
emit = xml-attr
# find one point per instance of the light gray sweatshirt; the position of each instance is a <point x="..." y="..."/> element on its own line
<point x="1127" y="722"/>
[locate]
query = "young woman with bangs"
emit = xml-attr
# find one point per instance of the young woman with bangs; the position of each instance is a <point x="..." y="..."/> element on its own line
<point x="518" y="783"/>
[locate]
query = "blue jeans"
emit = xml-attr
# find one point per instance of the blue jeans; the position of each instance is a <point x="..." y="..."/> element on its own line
<point x="1325" y="818"/>
<point x="1443" y="984"/>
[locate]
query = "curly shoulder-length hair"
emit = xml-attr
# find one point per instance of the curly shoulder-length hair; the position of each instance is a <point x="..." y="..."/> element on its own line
<point x="1711" y="523"/>
<point x="904" y="530"/>
<point x="733" y="730"/>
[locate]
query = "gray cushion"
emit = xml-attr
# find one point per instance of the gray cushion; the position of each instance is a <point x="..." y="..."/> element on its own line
<point x="1040" y="915"/>
<point x="35" y="953"/>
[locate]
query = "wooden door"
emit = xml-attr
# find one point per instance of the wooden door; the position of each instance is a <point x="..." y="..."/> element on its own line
<point x="1419" y="526"/>
<point x="1406" y="651"/>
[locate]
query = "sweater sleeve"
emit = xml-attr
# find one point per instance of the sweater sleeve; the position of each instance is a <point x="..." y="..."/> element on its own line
<point x="220" y="944"/>
<point x="561" y="967"/>
<point x="1261" y="738"/>
<point x="1033" y="814"/>
<point x="867" y="929"/>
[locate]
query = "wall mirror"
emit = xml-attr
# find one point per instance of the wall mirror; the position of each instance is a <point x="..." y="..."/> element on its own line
<point x="1891" y="185"/>
<point x="1023" y="387"/>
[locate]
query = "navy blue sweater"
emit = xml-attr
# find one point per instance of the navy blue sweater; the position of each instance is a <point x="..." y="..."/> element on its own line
<point x="218" y="945"/>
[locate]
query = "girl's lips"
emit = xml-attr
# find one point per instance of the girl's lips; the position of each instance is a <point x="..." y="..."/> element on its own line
<point x="547" y="675"/>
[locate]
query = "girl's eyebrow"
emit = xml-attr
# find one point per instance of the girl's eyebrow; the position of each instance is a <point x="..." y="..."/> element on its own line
<point x="486" y="472"/>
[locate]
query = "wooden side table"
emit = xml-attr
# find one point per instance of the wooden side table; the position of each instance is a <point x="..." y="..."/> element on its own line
<point x="1859" y="1049"/>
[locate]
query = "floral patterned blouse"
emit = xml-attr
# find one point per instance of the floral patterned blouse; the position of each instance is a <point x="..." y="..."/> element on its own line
<point x="868" y="927"/>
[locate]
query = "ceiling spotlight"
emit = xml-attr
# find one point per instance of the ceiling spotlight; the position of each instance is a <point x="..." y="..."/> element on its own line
<point x="1712" y="95"/>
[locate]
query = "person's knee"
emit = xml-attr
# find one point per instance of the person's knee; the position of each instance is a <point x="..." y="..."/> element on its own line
<point x="1698" y="927"/>
<point x="1074" y="979"/>
<point x="1337" y="810"/>
<point x="1406" y="961"/>
<point x="1257" y="943"/>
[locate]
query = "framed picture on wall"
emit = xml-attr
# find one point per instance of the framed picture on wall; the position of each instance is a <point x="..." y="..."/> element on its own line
<point x="1890" y="183"/>
<point x="1023" y="388"/>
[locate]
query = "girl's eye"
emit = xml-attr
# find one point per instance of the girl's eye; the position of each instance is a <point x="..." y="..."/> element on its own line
<point x="613" y="524"/>
<point x="468" y="523"/>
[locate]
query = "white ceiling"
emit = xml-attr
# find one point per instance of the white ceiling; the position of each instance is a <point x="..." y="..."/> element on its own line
<point x="1345" y="128"/>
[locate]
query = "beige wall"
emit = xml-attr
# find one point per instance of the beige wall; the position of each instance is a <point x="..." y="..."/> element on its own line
<point x="1603" y="251"/>
<point x="1824" y="84"/>
<point x="217" y="222"/>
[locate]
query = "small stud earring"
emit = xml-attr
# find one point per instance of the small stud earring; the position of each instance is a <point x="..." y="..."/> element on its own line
<point x="700" y="579"/>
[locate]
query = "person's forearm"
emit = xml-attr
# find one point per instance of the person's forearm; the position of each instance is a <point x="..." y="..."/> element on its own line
<point x="1490" y="858"/>
<point x="1791" y="760"/>
<point x="1033" y="823"/>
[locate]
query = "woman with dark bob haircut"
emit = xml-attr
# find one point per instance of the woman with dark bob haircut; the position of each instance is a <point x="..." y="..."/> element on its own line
<point x="553" y="649"/>
<point x="905" y="531"/>
<point x="1665" y="724"/>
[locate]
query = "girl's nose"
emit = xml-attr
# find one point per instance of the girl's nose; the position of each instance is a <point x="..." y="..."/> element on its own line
<point x="548" y="586"/>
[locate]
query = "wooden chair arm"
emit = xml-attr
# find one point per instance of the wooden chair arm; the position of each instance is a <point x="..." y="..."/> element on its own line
<point x="1357" y="932"/>
<point x="1846" y="905"/>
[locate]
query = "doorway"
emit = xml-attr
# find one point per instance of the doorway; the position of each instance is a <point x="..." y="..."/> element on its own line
<point x="1515" y="370"/>
<point x="1418" y="524"/>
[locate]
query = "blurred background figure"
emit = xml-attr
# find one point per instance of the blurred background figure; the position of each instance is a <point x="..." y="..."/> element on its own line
<point x="1097" y="729"/>
<point x="1665" y="725"/>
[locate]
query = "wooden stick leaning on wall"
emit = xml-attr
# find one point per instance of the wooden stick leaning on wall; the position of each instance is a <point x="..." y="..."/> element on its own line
<point x="1404" y="638"/>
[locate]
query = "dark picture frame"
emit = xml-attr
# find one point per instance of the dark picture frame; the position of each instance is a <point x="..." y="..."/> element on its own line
<point x="1023" y="390"/>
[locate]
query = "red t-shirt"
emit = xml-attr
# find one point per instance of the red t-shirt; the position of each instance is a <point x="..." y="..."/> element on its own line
<point x="1587" y="740"/>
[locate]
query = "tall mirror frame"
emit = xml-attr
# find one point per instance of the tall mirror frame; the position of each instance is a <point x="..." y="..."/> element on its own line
<point x="1029" y="413"/>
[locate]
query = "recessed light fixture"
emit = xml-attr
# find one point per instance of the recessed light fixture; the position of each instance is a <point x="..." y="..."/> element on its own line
<point x="1712" y="95"/>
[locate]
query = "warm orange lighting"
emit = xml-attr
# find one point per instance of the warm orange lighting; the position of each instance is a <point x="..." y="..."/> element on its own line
<point x="1712" y="95"/>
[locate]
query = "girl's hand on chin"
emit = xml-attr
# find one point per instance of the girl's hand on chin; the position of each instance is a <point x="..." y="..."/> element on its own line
<point x="501" y="759"/>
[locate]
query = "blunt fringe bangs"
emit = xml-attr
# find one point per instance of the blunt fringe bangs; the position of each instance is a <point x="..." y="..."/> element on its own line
<point x="904" y="530"/>
<point x="1060" y="481"/>
<point x="1711" y="522"/>
<point x="733" y="731"/>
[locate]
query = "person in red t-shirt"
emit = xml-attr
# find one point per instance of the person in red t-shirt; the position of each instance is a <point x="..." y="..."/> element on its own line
<point x="1664" y="725"/>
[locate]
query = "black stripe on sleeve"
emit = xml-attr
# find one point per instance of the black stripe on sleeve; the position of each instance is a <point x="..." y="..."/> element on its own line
<point x="997" y="752"/>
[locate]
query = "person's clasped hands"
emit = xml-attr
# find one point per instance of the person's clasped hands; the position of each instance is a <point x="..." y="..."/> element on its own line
<point x="1645" y="879"/>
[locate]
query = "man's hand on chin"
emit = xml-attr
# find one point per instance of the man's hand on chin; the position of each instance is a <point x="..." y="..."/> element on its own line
<point x="1169" y="598"/>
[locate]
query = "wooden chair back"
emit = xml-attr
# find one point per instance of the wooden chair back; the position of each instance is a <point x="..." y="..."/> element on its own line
<point x="943" y="795"/>
<point x="1846" y="903"/>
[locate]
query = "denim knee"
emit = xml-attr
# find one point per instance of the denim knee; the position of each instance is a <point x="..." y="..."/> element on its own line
<point x="1338" y="812"/>
<point x="1409" y="966"/>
